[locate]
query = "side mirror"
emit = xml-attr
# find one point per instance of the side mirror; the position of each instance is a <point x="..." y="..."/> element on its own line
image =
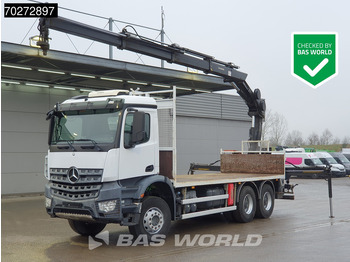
<point x="138" y="128"/>
<point x="51" y="126"/>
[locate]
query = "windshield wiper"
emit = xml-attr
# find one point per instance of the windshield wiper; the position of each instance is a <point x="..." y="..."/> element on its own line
<point x="90" y="140"/>
<point x="69" y="143"/>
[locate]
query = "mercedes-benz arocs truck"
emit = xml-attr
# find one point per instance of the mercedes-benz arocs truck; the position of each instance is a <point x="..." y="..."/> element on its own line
<point x="112" y="155"/>
<point x="105" y="164"/>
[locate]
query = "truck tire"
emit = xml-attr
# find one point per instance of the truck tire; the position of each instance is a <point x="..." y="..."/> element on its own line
<point x="246" y="205"/>
<point x="155" y="218"/>
<point x="266" y="203"/>
<point x="86" y="228"/>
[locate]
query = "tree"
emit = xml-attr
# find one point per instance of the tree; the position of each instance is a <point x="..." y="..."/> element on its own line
<point x="346" y="141"/>
<point x="266" y="127"/>
<point x="294" y="138"/>
<point x="336" y="141"/>
<point x="278" y="129"/>
<point x="326" y="137"/>
<point x="313" y="139"/>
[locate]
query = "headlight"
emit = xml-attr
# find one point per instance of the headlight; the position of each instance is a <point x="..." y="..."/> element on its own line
<point x="107" y="206"/>
<point x="47" y="202"/>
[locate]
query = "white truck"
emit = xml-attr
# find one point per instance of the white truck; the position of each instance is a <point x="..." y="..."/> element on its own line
<point x="112" y="154"/>
<point x="106" y="165"/>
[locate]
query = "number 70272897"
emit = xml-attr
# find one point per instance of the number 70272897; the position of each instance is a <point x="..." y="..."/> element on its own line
<point x="30" y="10"/>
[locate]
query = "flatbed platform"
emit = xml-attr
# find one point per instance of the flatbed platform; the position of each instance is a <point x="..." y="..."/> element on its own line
<point x="221" y="178"/>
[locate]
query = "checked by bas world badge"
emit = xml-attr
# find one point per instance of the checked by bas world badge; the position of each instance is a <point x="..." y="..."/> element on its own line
<point x="314" y="57"/>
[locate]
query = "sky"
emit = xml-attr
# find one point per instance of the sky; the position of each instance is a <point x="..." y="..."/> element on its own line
<point x="256" y="35"/>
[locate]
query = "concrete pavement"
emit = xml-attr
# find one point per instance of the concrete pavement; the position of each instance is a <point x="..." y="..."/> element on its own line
<point x="298" y="230"/>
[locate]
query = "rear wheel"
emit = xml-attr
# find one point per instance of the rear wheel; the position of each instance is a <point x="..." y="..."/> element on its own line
<point x="155" y="218"/>
<point x="86" y="228"/>
<point x="266" y="203"/>
<point x="246" y="205"/>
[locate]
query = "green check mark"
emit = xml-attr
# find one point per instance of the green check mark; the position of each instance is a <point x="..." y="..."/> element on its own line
<point x="318" y="68"/>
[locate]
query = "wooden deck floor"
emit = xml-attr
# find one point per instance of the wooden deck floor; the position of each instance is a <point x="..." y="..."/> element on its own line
<point x="221" y="178"/>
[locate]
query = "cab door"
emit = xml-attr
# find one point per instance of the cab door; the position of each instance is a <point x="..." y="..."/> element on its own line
<point x="138" y="159"/>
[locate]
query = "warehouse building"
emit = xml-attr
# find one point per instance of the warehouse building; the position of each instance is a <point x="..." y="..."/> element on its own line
<point x="32" y="84"/>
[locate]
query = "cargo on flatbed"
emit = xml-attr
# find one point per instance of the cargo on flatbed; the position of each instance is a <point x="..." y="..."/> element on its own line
<point x="238" y="167"/>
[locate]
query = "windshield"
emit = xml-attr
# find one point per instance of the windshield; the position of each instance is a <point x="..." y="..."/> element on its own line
<point x="96" y="125"/>
<point x="331" y="160"/>
<point x="343" y="159"/>
<point x="317" y="161"/>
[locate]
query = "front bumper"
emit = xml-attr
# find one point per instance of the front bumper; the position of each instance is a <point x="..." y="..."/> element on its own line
<point x="126" y="211"/>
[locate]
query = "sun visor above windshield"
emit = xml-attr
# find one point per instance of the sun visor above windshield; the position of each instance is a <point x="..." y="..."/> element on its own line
<point x="112" y="103"/>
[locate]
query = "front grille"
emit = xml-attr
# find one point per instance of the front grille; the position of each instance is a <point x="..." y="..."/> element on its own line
<point x="87" y="186"/>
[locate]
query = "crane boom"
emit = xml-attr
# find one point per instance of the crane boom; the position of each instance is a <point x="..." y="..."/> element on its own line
<point x="170" y="53"/>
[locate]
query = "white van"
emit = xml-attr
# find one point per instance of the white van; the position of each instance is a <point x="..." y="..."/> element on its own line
<point x="294" y="150"/>
<point x="300" y="161"/>
<point x="327" y="159"/>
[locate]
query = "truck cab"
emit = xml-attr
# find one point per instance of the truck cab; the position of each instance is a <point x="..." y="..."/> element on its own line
<point x="100" y="148"/>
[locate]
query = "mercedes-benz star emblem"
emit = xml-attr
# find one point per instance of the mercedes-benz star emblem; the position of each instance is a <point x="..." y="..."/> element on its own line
<point x="73" y="175"/>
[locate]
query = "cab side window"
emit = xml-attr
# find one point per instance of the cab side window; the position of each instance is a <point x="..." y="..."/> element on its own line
<point x="324" y="161"/>
<point x="308" y="162"/>
<point x="129" y="127"/>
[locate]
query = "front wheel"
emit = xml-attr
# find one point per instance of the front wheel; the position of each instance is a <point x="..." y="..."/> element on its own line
<point x="86" y="228"/>
<point x="266" y="202"/>
<point x="155" y="218"/>
<point x="246" y="205"/>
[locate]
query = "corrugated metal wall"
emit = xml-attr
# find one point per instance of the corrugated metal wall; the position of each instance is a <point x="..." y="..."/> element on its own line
<point x="24" y="135"/>
<point x="218" y="106"/>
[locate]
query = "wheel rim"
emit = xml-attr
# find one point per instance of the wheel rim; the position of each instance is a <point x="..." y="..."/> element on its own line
<point x="248" y="204"/>
<point x="153" y="220"/>
<point x="267" y="201"/>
